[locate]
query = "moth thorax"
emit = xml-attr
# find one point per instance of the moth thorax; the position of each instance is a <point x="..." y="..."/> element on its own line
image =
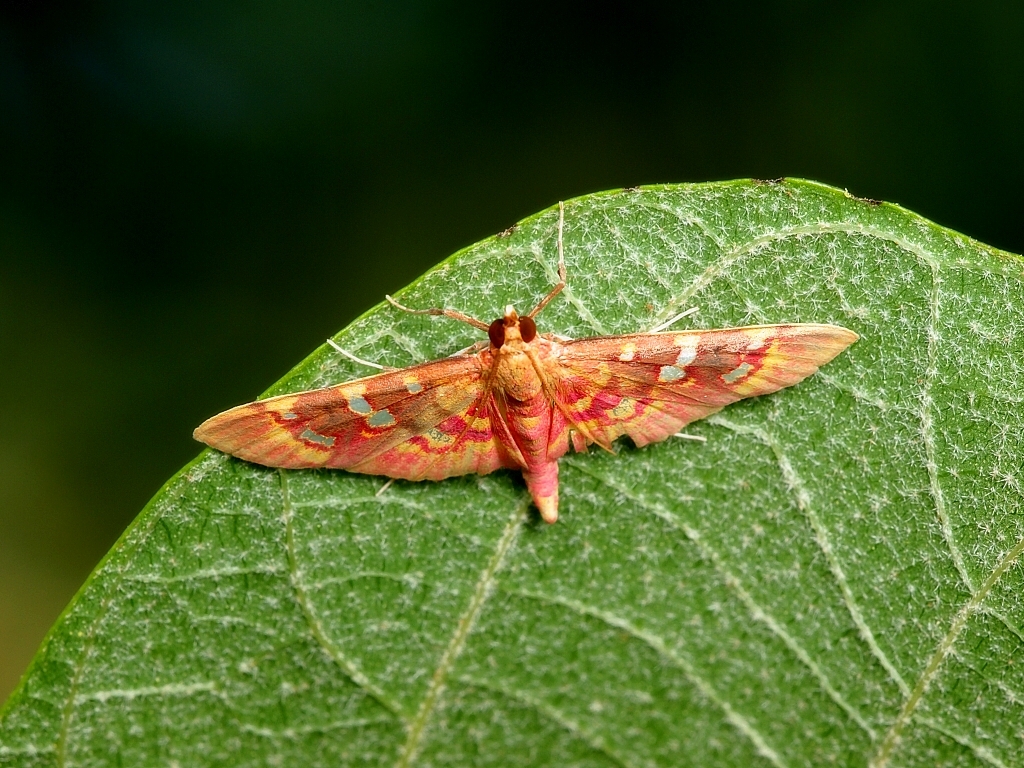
<point x="515" y="376"/>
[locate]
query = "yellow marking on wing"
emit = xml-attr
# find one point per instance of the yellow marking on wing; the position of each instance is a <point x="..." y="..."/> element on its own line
<point x="282" y="405"/>
<point x="281" y="443"/>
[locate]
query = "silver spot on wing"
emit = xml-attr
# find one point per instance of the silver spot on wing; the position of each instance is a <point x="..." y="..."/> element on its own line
<point x="359" y="405"/>
<point x="737" y="373"/>
<point x="381" y="419"/>
<point x="315" y="437"/>
<point x="687" y="350"/>
<point x="670" y="373"/>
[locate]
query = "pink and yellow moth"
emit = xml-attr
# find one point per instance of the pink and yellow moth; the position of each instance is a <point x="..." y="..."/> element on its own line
<point x="520" y="399"/>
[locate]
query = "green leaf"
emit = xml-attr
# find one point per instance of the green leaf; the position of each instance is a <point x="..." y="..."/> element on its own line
<point x="834" y="576"/>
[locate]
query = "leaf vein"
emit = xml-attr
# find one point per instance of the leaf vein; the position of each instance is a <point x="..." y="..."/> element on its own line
<point x="981" y="752"/>
<point x="458" y="640"/>
<point x="298" y="733"/>
<point x="942" y="650"/>
<point x="313" y="622"/>
<point x="756" y="610"/>
<point x="752" y="245"/>
<point x="688" y="220"/>
<point x="127" y="554"/>
<point x="28" y="750"/>
<point x="171" y="689"/>
<point x="1005" y="620"/>
<point x="803" y="501"/>
<point x="210" y="573"/>
<point x="928" y="433"/>
<point x="658" y="645"/>
<point x="592" y="740"/>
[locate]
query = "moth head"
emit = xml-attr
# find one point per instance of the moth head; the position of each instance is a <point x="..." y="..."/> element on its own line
<point x="511" y="327"/>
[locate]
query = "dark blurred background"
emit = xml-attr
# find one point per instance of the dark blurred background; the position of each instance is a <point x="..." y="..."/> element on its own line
<point x="193" y="195"/>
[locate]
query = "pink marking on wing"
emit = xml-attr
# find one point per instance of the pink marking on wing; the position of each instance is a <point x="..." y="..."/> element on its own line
<point x="453" y="425"/>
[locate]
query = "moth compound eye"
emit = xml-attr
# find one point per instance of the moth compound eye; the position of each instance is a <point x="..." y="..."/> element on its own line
<point x="496" y="333"/>
<point x="527" y="329"/>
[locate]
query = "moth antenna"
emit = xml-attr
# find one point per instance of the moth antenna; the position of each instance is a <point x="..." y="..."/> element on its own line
<point x="561" y="252"/>
<point x="672" y="320"/>
<point x="454" y="315"/>
<point x="561" y="265"/>
<point x="359" y="360"/>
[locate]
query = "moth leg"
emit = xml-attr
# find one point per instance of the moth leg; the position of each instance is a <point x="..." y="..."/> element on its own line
<point x="359" y="360"/>
<point x="561" y="265"/>
<point x="453" y="314"/>
<point x="672" y="320"/>
<point x="579" y="442"/>
<point x="471" y="348"/>
<point x="384" y="487"/>
<point x="685" y="436"/>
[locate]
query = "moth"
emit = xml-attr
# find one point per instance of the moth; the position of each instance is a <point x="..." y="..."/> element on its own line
<point x="520" y="399"/>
